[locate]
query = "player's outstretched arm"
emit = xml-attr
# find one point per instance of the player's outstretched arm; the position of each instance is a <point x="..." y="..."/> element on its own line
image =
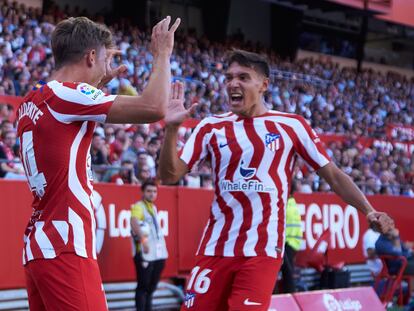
<point x="343" y="186"/>
<point x="151" y="105"/>
<point x="171" y="167"/>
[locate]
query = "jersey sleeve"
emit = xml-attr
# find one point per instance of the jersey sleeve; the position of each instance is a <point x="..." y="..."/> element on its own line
<point x="78" y="102"/>
<point x="309" y="145"/>
<point x="137" y="212"/>
<point x="195" y="148"/>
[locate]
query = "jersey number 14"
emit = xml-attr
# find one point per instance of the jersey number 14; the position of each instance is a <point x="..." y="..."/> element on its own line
<point x="35" y="178"/>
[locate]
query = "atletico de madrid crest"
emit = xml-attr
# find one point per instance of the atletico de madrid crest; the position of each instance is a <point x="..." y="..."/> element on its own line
<point x="272" y="141"/>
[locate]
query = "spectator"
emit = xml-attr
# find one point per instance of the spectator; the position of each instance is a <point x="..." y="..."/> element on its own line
<point x="153" y="148"/>
<point x="137" y="146"/>
<point x="391" y="244"/>
<point x="8" y="168"/>
<point x="6" y="126"/>
<point x="293" y="243"/>
<point x="119" y="145"/>
<point x="4" y="112"/>
<point x="150" y="251"/>
<point x="99" y="153"/>
<point x="368" y="249"/>
<point x="109" y="135"/>
<point x="144" y="173"/>
<point x="125" y="175"/>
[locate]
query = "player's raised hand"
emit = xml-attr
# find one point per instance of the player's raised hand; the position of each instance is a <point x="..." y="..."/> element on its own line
<point x="110" y="72"/>
<point x="380" y="222"/>
<point x="162" y="37"/>
<point x="176" y="113"/>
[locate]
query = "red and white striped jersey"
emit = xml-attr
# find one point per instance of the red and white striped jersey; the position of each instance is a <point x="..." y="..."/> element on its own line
<point x="252" y="161"/>
<point x="56" y="122"/>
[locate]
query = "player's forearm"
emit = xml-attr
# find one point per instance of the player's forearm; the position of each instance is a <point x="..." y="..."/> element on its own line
<point x="343" y="186"/>
<point x="168" y="164"/>
<point x="157" y="91"/>
<point x="151" y="105"/>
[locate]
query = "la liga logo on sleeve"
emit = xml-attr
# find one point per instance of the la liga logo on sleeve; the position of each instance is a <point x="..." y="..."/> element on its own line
<point x="90" y="91"/>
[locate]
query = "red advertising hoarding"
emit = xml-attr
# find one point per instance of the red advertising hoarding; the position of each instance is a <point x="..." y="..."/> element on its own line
<point x="283" y="303"/>
<point x="350" y="299"/>
<point x="183" y="213"/>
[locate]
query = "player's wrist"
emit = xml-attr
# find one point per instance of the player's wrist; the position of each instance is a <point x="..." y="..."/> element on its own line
<point x="162" y="56"/>
<point x="369" y="211"/>
<point x="172" y="127"/>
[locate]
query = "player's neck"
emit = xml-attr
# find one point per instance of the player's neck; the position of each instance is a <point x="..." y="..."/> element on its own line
<point x="255" y="110"/>
<point x="147" y="201"/>
<point x="71" y="74"/>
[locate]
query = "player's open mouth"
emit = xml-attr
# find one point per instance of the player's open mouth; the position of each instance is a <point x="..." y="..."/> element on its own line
<point x="236" y="97"/>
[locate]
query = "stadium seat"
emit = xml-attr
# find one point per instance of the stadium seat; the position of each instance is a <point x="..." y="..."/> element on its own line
<point x="317" y="257"/>
<point x="388" y="285"/>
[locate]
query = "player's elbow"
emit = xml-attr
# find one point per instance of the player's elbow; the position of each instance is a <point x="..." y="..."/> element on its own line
<point x="158" y="115"/>
<point x="169" y="172"/>
<point x="158" y="105"/>
<point x="161" y="108"/>
<point x="167" y="178"/>
<point x="161" y="114"/>
<point x="340" y="181"/>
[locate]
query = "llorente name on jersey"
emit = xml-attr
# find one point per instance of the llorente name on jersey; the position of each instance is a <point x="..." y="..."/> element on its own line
<point x="245" y="185"/>
<point x="30" y="110"/>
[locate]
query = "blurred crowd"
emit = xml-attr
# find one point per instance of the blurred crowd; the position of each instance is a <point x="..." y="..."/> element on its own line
<point x="336" y="100"/>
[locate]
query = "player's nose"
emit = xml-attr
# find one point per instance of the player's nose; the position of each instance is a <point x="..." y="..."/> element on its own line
<point x="233" y="84"/>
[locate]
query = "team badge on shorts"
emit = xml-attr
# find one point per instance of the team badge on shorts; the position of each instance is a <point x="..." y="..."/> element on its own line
<point x="272" y="141"/>
<point x="189" y="300"/>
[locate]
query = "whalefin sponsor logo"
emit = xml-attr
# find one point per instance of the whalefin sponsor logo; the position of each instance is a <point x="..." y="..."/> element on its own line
<point x="247" y="172"/>
<point x="245" y="183"/>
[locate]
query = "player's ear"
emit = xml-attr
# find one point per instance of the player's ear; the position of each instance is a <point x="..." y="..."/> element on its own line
<point x="91" y="58"/>
<point x="265" y="85"/>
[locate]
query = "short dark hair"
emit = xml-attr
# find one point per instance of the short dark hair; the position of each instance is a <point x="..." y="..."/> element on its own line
<point x="147" y="183"/>
<point x="73" y="37"/>
<point x="5" y="121"/>
<point x="5" y="133"/>
<point x="153" y="141"/>
<point x="126" y="161"/>
<point x="249" y="59"/>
